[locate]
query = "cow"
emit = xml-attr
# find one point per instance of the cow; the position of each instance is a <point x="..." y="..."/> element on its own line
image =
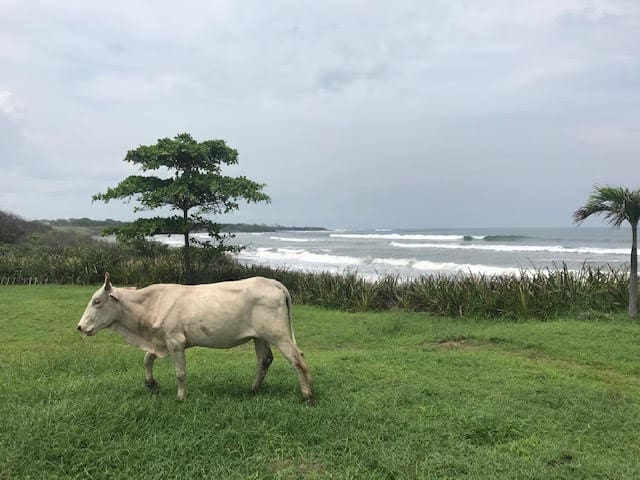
<point x="166" y="319"/>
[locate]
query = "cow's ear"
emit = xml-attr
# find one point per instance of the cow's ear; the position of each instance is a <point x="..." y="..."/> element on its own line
<point x="113" y="296"/>
<point x="107" y="282"/>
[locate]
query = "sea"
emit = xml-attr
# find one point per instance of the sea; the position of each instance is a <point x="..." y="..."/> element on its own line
<point x="410" y="253"/>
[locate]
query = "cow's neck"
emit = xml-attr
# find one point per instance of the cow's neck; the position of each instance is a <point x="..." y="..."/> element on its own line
<point x="134" y="324"/>
<point x="135" y="314"/>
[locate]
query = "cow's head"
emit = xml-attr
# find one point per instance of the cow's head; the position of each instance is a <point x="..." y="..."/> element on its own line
<point x="102" y="310"/>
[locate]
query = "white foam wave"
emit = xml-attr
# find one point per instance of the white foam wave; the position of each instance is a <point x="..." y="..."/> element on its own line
<point x="287" y="255"/>
<point x="403" y="236"/>
<point x="516" y="248"/>
<point x="448" y="267"/>
<point x="394" y="262"/>
<point x="291" y="251"/>
<point x="202" y="236"/>
<point x="177" y="240"/>
<point x="292" y="239"/>
<point x="171" y="241"/>
<point x="301" y="259"/>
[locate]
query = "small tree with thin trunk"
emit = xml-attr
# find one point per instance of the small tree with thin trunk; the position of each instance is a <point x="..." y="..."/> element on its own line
<point x="618" y="204"/>
<point x="194" y="187"/>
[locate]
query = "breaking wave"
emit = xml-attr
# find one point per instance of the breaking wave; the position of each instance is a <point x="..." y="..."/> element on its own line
<point x="448" y="267"/>
<point x="504" y="238"/>
<point x="404" y="236"/>
<point x="301" y="259"/>
<point x="291" y="239"/>
<point x="516" y="248"/>
<point x="284" y="255"/>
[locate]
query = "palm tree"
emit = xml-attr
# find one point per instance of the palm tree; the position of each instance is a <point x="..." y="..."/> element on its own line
<point x="617" y="204"/>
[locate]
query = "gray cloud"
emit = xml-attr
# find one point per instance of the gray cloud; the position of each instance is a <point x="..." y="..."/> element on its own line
<point x="354" y="113"/>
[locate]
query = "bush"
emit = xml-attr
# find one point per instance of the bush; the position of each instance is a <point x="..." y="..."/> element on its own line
<point x="13" y="228"/>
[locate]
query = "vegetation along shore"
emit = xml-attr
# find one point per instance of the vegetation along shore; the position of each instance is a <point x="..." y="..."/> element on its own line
<point x="70" y="256"/>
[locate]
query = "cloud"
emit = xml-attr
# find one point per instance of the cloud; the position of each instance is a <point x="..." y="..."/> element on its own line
<point x="10" y="105"/>
<point x="332" y="104"/>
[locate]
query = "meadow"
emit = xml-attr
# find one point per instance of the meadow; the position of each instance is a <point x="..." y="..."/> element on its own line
<point x="399" y="395"/>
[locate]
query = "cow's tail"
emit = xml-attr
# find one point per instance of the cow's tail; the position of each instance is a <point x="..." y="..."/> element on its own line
<point x="298" y="361"/>
<point x="287" y="298"/>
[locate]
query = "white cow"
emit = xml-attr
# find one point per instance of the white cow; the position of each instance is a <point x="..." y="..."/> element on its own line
<point x="165" y="319"/>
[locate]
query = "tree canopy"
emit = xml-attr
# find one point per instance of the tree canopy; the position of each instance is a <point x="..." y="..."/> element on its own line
<point x="193" y="184"/>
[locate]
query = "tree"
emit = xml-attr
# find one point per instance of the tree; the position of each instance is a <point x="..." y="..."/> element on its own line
<point x="195" y="187"/>
<point x="13" y="228"/>
<point x="618" y="204"/>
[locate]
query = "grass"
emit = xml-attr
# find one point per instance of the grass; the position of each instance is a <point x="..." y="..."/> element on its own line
<point x="399" y="395"/>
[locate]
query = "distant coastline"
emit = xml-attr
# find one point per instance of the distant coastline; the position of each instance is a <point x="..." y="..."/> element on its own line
<point x="224" y="227"/>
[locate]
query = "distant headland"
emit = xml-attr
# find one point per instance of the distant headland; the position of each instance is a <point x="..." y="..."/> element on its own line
<point x="224" y="227"/>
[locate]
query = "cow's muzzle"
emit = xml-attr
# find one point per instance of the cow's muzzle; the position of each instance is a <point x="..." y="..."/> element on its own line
<point x="86" y="332"/>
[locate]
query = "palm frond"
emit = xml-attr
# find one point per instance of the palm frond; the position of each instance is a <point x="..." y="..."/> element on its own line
<point x="617" y="204"/>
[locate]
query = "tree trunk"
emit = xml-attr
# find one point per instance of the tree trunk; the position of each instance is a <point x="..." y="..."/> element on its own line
<point x="633" y="273"/>
<point x="188" y="276"/>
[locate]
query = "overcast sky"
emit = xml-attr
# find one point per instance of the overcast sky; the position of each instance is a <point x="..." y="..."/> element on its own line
<point x="354" y="113"/>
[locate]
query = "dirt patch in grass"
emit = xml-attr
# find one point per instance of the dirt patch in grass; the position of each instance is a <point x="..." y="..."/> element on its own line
<point x="562" y="460"/>
<point x="457" y="343"/>
<point x="289" y="468"/>
<point x="460" y="344"/>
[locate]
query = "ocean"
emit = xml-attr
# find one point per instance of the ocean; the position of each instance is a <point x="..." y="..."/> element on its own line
<point x="414" y="252"/>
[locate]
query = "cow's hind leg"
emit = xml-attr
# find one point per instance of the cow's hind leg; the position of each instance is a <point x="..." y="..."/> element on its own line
<point x="295" y="357"/>
<point x="149" y="381"/>
<point x="264" y="359"/>
<point x="178" y="357"/>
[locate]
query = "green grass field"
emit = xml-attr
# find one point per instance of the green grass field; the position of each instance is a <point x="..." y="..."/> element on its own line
<point x="399" y="395"/>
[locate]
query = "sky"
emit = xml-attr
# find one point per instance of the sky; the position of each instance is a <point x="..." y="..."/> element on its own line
<point x="356" y="114"/>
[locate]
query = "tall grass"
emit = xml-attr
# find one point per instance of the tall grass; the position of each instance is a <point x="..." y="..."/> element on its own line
<point x="541" y="294"/>
<point x="63" y="258"/>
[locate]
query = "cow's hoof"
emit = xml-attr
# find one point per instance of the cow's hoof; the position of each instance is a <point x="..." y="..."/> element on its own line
<point x="152" y="385"/>
<point x="310" y="402"/>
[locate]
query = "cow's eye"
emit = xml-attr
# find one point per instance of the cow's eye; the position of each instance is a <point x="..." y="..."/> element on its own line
<point x="96" y="302"/>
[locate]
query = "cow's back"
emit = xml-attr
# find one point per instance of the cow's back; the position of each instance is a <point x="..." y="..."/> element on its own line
<point x="220" y="315"/>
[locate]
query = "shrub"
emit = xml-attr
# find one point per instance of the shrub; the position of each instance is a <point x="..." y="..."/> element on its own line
<point x="13" y="228"/>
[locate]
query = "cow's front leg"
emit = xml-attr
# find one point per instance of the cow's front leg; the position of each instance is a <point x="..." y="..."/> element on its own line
<point x="149" y="381"/>
<point x="178" y="357"/>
